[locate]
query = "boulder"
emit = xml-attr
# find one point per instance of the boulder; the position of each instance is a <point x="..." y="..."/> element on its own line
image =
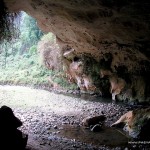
<point x="137" y="123"/>
<point x="11" y="137"/>
<point x="93" y="120"/>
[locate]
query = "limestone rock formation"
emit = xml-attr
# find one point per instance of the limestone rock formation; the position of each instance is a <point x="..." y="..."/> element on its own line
<point x="93" y="120"/>
<point x="104" y="34"/>
<point x="49" y="53"/>
<point x="136" y="123"/>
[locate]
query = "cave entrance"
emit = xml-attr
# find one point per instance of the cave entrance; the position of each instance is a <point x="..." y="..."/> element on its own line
<point x="50" y="118"/>
<point x="33" y="58"/>
<point x="47" y="115"/>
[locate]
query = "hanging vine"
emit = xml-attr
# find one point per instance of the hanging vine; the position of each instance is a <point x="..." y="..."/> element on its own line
<point x="8" y="26"/>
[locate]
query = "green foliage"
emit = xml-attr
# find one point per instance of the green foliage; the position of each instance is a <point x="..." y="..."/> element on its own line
<point x="25" y="69"/>
<point x="33" y="50"/>
<point x="22" y="69"/>
<point x="19" y="60"/>
<point x="50" y="37"/>
<point x="30" y="33"/>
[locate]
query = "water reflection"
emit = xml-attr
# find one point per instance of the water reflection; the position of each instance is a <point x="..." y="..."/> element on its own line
<point x="107" y="136"/>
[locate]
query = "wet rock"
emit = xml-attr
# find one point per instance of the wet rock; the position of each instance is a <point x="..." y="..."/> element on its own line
<point x="93" y="120"/>
<point x="136" y="122"/>
<point x="102" y="112"/>
<point x="145" y="130"/>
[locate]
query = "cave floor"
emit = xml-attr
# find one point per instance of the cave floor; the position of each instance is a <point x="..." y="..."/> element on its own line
<point x="52" y="121"/>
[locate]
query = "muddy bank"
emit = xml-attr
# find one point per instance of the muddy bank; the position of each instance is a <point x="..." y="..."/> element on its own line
<point x="53" y="120"/>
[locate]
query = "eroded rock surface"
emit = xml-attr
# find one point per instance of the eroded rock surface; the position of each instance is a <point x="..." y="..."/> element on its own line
<point x="111" y="35"/>
<point x="137" y="122"/>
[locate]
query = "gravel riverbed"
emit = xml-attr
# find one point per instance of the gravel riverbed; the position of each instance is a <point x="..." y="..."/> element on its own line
<point x="44" y="114"/>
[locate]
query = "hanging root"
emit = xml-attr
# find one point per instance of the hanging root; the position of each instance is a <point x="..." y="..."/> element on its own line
<point x="8" y="25"/>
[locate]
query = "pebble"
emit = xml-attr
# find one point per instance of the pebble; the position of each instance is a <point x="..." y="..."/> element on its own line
<point x="55" y="127"/>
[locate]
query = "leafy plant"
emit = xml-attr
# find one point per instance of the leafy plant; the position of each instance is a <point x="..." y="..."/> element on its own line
<point x="19" y="63"/>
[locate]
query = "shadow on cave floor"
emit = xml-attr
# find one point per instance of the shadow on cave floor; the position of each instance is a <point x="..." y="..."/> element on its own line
<point x="52" y="120"/>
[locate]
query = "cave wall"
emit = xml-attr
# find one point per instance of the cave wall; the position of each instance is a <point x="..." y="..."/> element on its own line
<point x="104" y="43"/>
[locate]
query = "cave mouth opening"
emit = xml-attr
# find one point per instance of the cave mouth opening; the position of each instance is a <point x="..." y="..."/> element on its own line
<point x="19" y="65"/>
<point x="40" y="122"/>
<point x="31" y="58"/>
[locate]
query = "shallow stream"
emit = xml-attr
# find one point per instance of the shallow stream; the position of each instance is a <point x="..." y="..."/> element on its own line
<point x="107" y="136"/>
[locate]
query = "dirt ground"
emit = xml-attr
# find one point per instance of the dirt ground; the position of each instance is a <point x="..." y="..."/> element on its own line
<point x="53" y="121"/>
